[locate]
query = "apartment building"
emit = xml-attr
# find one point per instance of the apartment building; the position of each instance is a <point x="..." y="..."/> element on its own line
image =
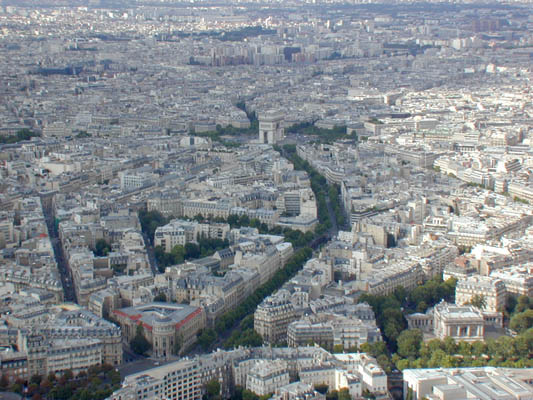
<point x="273" y="316"/>
<point x="492" y="290"/>
<point x="181" y="232"/>
<point x="267" y="376"/>
<point x="518" y="280"/>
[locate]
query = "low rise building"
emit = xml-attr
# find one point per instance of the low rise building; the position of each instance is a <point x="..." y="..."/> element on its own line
<point x="483" y="383"/>
<point x="461" y="323"/>
<point x="266" y="376"/>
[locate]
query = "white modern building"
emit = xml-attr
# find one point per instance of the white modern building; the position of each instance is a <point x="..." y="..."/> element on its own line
<point x="483" y="383"/>
<point x="178" y="380"/>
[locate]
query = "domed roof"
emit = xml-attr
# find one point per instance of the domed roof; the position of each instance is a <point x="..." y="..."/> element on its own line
<point x="161" y="318"/>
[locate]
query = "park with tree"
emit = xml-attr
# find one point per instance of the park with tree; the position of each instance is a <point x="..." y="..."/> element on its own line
<point x="98" y="383"/>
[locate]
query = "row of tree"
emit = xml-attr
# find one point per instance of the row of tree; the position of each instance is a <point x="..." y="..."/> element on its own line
<point x="295" y="237"/>
<point x="237" y="35"/>
<point x="204" y="248"/>
<point x="236" y="320"/>
<point x="324" y="135"/>
<point x="336" y="203"/>
<point x="319" y="185"/>
<point x="97" y="383"/>
<point x="150" y="221"/>
<point x="21" y="135"/>
<point x="220" y="131"/>
<point x="245" y="335"/>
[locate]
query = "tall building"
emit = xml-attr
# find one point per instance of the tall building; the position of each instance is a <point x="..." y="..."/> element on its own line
<point x="178" y="380"/>
<point x="461" y="323"/>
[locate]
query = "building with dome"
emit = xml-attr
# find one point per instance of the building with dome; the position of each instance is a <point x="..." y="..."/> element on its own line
<point x="167" y="326"/>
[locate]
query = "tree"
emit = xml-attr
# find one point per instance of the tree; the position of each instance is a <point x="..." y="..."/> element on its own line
<point x="449" y="345"/>
<point x="68" y="374"/>
<point x="344" y="394"/>
<point x="333" y="395"/>
<point x="178" y="253"/>
<point x="178" y="343"/>
<point x="150" y="221"/>
<point x="36" y="379"/>
<point x="45" y="386"/>
<point x="114" y="376"/>
<point x="213" y="389"/>
<point x="524" y="303"/>
<point x="321" y="388"/>
<point x="161" y="297"/>
<point x="16" y="387"/>
<point x="338" y="348"/>
<point x="392" y="331"/>
<point x="512" y="302"/>
<point x="368" y="394"/>
<point x="249" y="395"/>
<point x="4" y="382"/>
<point x="139" y="344"/>
<point x="192" y="250"/>
<point x="207" y="338"/>
<point x="101" y="248"/>
<point x="83" y="134"/>
<point x="23" y="134"/>
<point x="422" y="307"/>
<point x="409" y="343"/>
<point x="478" y="301"/>
<point x="522" y="322"/>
